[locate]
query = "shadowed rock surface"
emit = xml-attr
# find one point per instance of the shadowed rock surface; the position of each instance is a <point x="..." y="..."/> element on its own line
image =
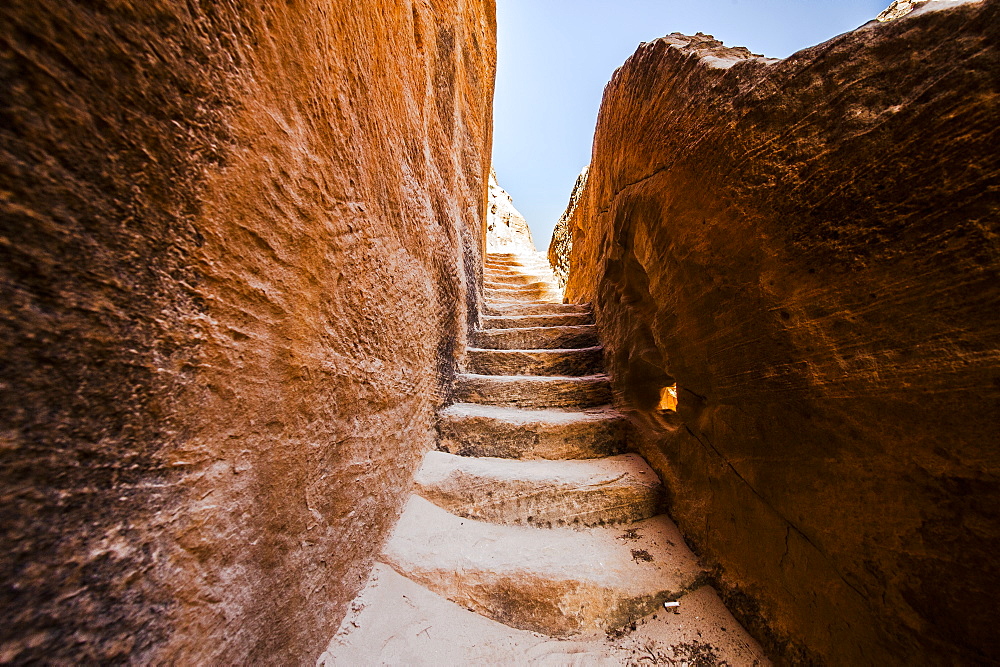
<point x="238" y="258"/>
<point x="809" y="248"/>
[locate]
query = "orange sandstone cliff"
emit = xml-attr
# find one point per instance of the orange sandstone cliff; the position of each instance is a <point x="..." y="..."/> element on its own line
<point x="809" y="249"/>
<point x="239" y="250"/>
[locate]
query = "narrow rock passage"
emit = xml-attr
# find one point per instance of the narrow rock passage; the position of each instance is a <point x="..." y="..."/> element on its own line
<point x="531" y="514"/>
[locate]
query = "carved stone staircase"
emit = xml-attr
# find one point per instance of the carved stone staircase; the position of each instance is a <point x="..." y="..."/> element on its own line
<point x="530" y="513"/>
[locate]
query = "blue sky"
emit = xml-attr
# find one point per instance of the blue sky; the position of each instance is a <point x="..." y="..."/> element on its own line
<point x="556" y="55"/>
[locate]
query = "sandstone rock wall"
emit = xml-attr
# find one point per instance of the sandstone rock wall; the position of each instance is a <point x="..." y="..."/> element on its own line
<point x="809" y="248"/>
<point x="506" y="228"/>
<point x="239" y="250"/>
<point x="561" y="243"/>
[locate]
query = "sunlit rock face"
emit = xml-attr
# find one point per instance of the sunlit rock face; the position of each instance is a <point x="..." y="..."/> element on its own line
<point x="898" y="9"/>
<point x="239" y="253"/>
<point x="506" y="229"/>
<point x="809" y="248"/>
<point x="561" y="244"/>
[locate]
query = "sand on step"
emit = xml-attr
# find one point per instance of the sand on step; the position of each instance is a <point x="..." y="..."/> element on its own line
<point x="396" y="621"/>
<point x="559" y="581"/>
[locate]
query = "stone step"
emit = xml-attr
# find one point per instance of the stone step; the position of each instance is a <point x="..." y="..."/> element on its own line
<point x="538" y="273"/>
<point x="523" y="291"/>
<point x="526" y="287"/>
<point x="470" y="429"/>
<point x="519" y="309"/>
<point x="513" y="255"/>
<point x="546" y="295"/>
<point x="559" y="582"/>
<point x="493" y="262"/>
<point x="518" y="267"/>
<point x="396" y="621"/>
<point x="492" y="279"/>
<point x="514" y="269"/>
<point x="527" y="391"/>
<point x="502" y="258"/>
<point x="534" y="338"/>
<point x="581" y="361"/>
<point x="590" y="492"/>
<point x="496" y="265"/>
<point x="527" y="321"/>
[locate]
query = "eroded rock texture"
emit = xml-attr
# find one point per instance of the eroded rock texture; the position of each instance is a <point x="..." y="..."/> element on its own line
<point x="237" y="250"/>
<point x="810" y="249"/>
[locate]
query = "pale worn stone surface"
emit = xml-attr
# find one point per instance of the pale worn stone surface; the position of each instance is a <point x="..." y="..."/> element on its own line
<point x="580" y="361"/>
<point x="606" y="491"/>
<point x="558" y="581"/>
<point x="528" y="338"/>
<point x="522" y="321"/>
<point x="485" y="430"/>
<point x="398" y="622"/>
<point x="523" y="288"/>
<point x="519" y="309"/>
<point x="532" y="263"/>
<point x="239" y="244"/>
<point x="538" y="294"/>
<point x="528" y="391"/>
<point x="809" y="249"/>
<point x="506" y="279"/>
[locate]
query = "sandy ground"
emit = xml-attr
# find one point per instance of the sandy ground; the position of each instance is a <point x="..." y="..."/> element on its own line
<point x="398" y="622"/>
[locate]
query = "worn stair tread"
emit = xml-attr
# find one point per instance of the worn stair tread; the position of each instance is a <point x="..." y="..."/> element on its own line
<point x="558" y="581"/>
<point x="516" y="255"/>
<point x="531" y="391"/>
<point x="508" y="309"/>
<point x="511" y="277"/>
<point x="547" y="295"/>
<point x="534" y="338"/>
<point x="492" y="303"/>
<point x="472" y="429"/>
<point x="527" y="321"/>
<point x="514" y="260"/>
<point x="522" y="287"/>
<point x="526" y="265"/>
<point x="526" y="292"/>
<point x="570" y="361"/>
<point x="537" y="271"/>
<point x="553" y="416"/>
<point x="590" y="492"/>
<point x="494" y="306"/>
<point x="396" y="621"/>
<point x="518" y="278"/>
<point x="537" y="287"/>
